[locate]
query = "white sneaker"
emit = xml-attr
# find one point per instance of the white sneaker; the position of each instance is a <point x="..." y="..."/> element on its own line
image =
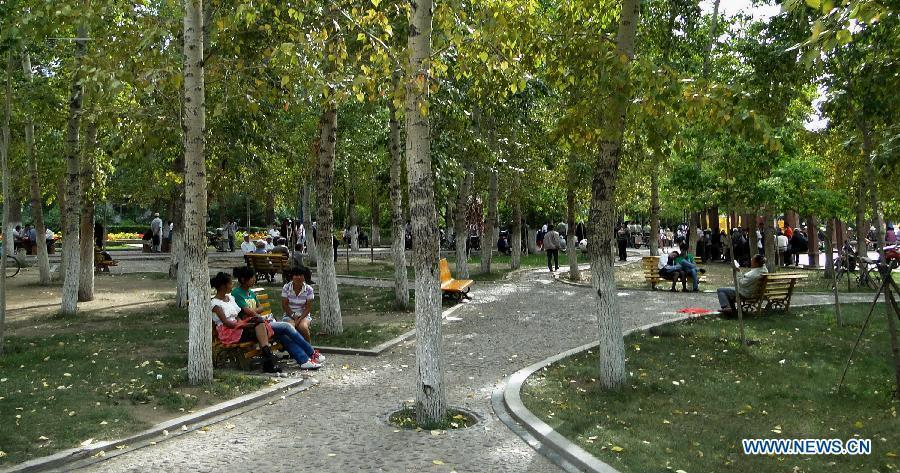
<point x="310" y="365"/>
<point x="318" y="357"/>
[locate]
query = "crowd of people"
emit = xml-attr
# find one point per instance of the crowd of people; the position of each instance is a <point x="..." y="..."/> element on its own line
<point x="27" y="238"/>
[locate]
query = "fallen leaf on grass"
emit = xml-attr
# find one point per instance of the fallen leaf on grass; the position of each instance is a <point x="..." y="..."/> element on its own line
<point x="332" y="454"/>
<point x="858" y="424"/>
<point x="617" y="448"/>
<point x="87" y="442"/>
<point x="437" y="462"/>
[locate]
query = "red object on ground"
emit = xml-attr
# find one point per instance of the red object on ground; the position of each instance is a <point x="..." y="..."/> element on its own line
<point x="694" y="311"/>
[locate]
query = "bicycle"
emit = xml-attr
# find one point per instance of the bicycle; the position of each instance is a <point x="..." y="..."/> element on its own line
<point x="13" y="266"/>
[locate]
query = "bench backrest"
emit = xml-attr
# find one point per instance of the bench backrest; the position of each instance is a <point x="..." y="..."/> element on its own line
<point x="267" y="262"/>
<point x="650" y="265"/>
<point x="778" y="285"/>
<point x="445" y="271"/>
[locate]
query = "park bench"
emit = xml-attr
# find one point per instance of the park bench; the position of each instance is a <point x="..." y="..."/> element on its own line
<point x="241" y="355"/>
<point x="454" y="288"/>
<point x="650" y="267"/>
<point x="101" y="264"/>
<point x="775" y="290"/>
<point x="268" y="264"/>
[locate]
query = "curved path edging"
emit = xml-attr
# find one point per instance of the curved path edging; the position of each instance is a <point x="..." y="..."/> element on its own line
<point x="537" y="433"/>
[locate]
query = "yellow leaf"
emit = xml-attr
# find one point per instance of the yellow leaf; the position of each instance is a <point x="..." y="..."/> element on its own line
<point x="617" y="448"/>
<point x="858" y="424"/>
<point x="437" y="462"/>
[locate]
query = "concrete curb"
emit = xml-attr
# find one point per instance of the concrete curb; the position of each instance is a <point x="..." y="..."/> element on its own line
<point x="381" y="348"/>
<point x="540" y="436"/>
<point x="174" y="428"/>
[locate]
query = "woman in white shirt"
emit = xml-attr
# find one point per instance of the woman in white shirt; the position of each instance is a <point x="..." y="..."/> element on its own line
<point x="233" y="329"/>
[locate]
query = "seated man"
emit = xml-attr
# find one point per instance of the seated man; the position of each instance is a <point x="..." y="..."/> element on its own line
<point x="670" y="271"/>
<point x="503" y="245"/>
<point x="749" y="283"/>
<point x="686" y="261"/>
<point x="247" y="246"/>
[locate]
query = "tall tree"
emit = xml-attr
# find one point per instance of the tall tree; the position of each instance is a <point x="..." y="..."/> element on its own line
<point x="200" y="367"/>
<point x="72" y="209"/>
<point x="602" y="214"/>
<point x="490" y="220"/>
<point x="330" y="304"/>
<point x="88" y="163"/>
<point x="460" y="229"/>
<point x="37" y="208"/>
<point x="431" y="402"/>
<point x="398" y="232"/>
<point x="4" y="177"/>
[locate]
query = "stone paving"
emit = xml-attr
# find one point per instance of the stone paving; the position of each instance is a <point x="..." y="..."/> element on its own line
<point x="340" y="425"/>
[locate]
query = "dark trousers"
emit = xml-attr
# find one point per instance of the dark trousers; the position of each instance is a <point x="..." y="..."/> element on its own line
<point x="230" y="242"/>
<point x="553" y="259"/>
<point x="623" y="244"/>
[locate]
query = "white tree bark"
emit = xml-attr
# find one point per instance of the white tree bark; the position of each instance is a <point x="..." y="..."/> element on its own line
<point x="200" y="367"/>
<point x="515" y="261"/>
<point x="460" y="229"/>
<point x="398" y="240"/>
<point x="612" y="373"/>
<point x="490" y="224"/>
<point x="86" y="277"/>
<point x="769" y="240"/>
<point x="654" y="211"/>
<point x="72" y="208"/>
<point x="431" y="403"/>
<point x="571" y="241"/>
<point x="37" y="209"/>
<point x="311" y="252"/>
<point x="329" y="302"/>
<point x="4" y="183"/>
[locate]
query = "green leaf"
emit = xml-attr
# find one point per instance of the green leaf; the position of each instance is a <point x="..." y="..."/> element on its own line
<point x="844" y="36"/>
<point x="814" y="4"/>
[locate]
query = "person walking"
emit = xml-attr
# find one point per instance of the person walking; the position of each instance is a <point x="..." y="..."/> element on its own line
<point x="231" y="232"/>
<point x="156" y="232"/>
<point x="551" y="247"/>
<point x="622" y="242"/>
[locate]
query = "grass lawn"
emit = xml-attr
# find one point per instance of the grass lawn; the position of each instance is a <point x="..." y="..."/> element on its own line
<point x="719" y="275"/>
<point x="99" y="375"/>
<point x="693" y="394"/>
<point x="368" y="315"/>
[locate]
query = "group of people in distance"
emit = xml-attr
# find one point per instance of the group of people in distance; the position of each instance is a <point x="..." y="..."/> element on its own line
<point x="237" y="315"/>
<point x="28" y="238"/>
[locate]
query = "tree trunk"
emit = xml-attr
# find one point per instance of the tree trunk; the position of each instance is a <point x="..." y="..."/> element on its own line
<point x="751" y="234"/>
<point x="877" y="220"/>
<point x="515" y="261"/>
<point x="431" y="403"/>
<point x="490" y="223"/>
<point x="352" y="217"/>
<point x="571" y="241"/>
<point x="812" y="231"/>
<point x="460" y="228"/>
<point x="177" y="267"/>
<point x="200" y="367"/>
<point x="72" y="209"/>
<point x="829" y="249"/>
<point x="769" y="240"/>
<point x="375" y="237"/>
<point x="654" y="210"/>
<point x="4" y="183"/>
<point x="398" y="237"/>
<point x="37" y="209"/>
<point x="861" y="224"/>
<point x="312" y="253"/>
<point x="329" y="302"/>
<point x="86" y="279"/>
<point x="531" y="240"/>
<point x="270" y="208"/>
<point x="612" y="373"/>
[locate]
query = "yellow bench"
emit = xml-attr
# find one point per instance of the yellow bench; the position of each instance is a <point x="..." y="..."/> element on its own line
<point x="241" y="354"/>
<point x="650" y="267"/>
<point x="455" y="288"/>
<point x="267" y="265"/>
<point x="775" y="290"/>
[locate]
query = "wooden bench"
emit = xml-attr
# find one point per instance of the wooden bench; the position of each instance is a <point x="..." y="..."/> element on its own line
<point x="101" y="264"/>
<point x="650" y="268"/>
<point x="241" y="355"/>
<point x="268" y="264"/>
<point x="775" y="290"/>
<point x="454" y="288"/>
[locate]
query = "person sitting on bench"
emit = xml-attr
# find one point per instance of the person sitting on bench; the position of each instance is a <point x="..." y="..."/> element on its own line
<point x="686" y="261"/>
<point x="749" y="283"/>
<point x="670" y="271"/>
<point x="232" y="327"/>
<point x="294" y="343"/>
<point x="296" y="303"/>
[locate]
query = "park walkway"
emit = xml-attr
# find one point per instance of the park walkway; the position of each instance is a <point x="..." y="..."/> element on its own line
<point x="339" y="426"/>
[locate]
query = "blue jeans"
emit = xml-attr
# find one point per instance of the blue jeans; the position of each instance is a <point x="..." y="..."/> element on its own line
<point x="690" y="269"/>
<point x="299" y="349"/>
<point x="727" y="296"/>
